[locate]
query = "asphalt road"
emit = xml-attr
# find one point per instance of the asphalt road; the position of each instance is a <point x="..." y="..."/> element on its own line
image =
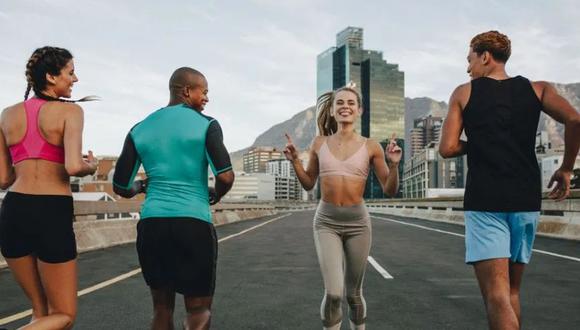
<point x="268" y="278"/>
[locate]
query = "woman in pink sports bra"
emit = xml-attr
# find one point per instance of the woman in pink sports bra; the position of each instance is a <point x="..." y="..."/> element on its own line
<point x="40" y="148"/>
<point x="342" y="228"/>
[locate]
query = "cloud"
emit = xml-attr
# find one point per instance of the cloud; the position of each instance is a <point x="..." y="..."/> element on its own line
<point x="260" y="56"/>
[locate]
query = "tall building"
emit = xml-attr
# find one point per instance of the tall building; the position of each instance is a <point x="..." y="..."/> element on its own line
<point x="425" y="131"/>
<point x="381" y="85"/>
<point x="427" y="174"/>
<point x="256" y="159"/>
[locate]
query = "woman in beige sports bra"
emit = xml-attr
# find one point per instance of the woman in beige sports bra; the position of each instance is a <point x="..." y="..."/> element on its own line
<point x="342" y="228"/>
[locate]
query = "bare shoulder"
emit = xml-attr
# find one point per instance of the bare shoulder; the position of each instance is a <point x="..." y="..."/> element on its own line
<point x="373" y="146"/>
<point x="541" y="83"/>
<point x="70" y="110"/>
<point x="462" y="91"/>
<point x="69" y="107"/>
<point x="8" y="111"/>
<point x="460" y="95"/>
<point x="317" y="142"/>
<point x="541" y="87"/>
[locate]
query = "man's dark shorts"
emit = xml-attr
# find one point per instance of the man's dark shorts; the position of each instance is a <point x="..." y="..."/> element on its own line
<point x="179" y="254"/>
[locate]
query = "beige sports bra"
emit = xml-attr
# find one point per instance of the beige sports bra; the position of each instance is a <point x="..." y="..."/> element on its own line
<point x="357" y="165"/>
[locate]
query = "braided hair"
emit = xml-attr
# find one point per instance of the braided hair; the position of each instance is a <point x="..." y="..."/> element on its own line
<point x="49" y="60"/>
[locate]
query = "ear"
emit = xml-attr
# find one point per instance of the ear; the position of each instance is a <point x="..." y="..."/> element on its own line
<point x="50" y="79"/>
<point x="486" y="57"/>
<point x="360" y="111"/>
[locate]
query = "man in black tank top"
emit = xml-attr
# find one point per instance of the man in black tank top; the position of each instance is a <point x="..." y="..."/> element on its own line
<point x="503" y="192"/>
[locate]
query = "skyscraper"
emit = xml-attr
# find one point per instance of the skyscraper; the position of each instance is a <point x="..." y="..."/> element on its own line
<point x="381" y="85"/>
<point x="425" y="130"/>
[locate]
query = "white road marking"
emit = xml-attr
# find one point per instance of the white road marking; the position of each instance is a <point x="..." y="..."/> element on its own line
<point x="461" y="235"/>
<point x="252" y="228"/>
<point x="119" y="278"/>
<point x="379" y="269"/>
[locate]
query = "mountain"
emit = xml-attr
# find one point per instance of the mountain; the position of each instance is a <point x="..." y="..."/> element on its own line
<point x="301" y="127"/>
<point x="570" y="92"/>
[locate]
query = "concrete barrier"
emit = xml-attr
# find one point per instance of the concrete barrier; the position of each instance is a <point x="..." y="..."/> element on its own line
<point x="557" y="219"/>
<point x="99" y="234"/>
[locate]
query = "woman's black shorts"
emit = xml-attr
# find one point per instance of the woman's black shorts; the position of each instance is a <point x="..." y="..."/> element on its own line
<point x="40" y="225"/>
<point x="179" y="254"/>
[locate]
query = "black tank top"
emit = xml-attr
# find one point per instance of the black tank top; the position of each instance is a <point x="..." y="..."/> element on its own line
<point x="500" y="120"/>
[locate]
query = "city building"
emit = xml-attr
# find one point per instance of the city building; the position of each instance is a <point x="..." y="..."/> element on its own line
<point x="427" y="174"/>
<point x="549" y="163"/>
<point x="425" y="131"/>
<point x="250" y="186"/>
<point x="287" y="185"/>
<point x="102" y="180"/>
<point x="256" y="159"/>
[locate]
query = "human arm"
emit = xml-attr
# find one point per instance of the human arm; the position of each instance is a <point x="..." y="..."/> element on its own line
<point x="451" y="145"/>
<point x="126" y="169"/>
<point x="308" y="176"/>
<point x="7" y="175"/>
<point x="388" y="174"/>
<point x="219" y="161"/>
<point x="74" y="163"/>
<point x="560" y="109"/>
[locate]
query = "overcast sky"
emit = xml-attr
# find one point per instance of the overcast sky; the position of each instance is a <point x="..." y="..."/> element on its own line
<point x="260" y="56"/>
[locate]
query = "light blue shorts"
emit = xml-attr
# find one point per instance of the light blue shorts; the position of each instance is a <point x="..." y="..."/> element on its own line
<point x="493" y="235"/>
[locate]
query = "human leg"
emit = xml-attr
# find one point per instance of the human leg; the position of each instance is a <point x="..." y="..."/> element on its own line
<point x="356" y="250"/>
<point x="59" y="282"/>
<point x="487" y="241"/>
<point x="25" y="272"/>
<point x="494" y="283"/>
<point x="163" y="307"/>
<point x="329" y="249"/>
<point x="523" y="226"/>
<point x="198" y="313"/>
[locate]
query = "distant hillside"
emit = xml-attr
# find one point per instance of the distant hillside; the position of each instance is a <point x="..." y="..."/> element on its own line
<point x="301" y="127"/>
<point x="570" y="92"/>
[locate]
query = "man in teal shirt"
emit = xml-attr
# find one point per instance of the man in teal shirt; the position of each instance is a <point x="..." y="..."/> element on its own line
<point x="176" y="240"/>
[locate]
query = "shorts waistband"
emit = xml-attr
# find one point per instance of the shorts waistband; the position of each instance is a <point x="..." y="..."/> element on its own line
<point x="34" y="196"/>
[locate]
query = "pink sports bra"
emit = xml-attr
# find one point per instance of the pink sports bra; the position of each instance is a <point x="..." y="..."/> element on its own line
<point x="356" y="165"/>
<point x="33" y="145"/>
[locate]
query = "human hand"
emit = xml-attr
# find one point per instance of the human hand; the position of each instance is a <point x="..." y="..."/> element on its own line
<point x="290" y="150"/>
<point x="91" y="161"/>
<point x="393" y="151"/>
<point x="213" y="197"/>
<point x="562" y="188"/>
<point x="144" y="183"/>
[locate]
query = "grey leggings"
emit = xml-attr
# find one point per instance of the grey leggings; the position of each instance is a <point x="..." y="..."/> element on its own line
<point x="342" y="235"/>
